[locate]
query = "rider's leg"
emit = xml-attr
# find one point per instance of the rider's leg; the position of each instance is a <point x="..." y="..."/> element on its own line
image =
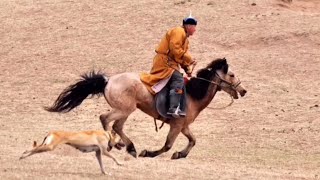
<point x="183" y="104"/>
<point x="175" y="93"/>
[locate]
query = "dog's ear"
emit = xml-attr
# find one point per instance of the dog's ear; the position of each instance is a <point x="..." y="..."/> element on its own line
<point x="34" y="143"/>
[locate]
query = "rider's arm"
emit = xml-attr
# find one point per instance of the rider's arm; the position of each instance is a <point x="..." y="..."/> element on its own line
<point x="177" y="40"/>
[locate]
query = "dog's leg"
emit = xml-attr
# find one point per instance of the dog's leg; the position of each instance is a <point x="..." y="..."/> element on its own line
<point x="106" y="153"/>
<point x="25" y="154"/>
<point x="49" y="143"/>
<point x="39" y="149"/>
<point x="98" y="155"/>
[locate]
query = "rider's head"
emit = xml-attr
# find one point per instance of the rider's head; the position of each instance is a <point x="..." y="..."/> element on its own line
<point x="189" y="23"/>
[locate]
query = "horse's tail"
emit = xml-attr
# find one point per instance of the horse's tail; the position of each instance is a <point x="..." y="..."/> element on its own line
<point x="91" y="83"/>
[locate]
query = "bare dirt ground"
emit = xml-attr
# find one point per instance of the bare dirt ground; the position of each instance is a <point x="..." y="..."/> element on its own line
<point x="272" y="45"/>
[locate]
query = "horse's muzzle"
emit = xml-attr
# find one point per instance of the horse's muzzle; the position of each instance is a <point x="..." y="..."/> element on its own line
<point x="242" y="92"/>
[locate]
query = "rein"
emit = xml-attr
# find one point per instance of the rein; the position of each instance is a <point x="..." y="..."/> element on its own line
<point x="219" y="108"/>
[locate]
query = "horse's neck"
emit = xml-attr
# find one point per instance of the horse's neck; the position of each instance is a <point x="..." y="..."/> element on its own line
<point x="199" y="105"/>
<point x="212" y="90"/>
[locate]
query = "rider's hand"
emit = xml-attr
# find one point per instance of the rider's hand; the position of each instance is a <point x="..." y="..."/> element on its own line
<point x="190" y="68"/>
<point x="194" y="62"/>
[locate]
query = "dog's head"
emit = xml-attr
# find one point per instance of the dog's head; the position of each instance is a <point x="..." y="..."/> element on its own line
<point x="114" y="141"/>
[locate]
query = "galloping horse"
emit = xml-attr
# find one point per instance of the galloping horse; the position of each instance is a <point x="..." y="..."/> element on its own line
<point x="125" y="93"/>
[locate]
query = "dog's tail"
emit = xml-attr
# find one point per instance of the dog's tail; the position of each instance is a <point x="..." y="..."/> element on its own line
<point x="91" y="83"/>
<point x="35" y="144"/>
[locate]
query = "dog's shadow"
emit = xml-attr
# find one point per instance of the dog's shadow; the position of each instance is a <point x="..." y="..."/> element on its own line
<point x="90" y="175"/>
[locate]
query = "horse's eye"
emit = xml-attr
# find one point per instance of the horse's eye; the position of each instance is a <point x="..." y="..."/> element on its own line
<point x="232" y="75"/>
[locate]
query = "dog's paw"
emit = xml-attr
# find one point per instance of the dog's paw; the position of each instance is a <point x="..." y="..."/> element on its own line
<point x="120" y="164"/>
<point x="107" y="174"/>
<point x="25" y="152"/>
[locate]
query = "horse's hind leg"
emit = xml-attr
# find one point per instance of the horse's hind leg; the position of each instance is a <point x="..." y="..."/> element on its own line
<point x="118" y="128"/>
<point x="192" y="141"/>
<point x="119" y="117"/>
<point x="172" y="135"/>
<point x="107" y="118"/>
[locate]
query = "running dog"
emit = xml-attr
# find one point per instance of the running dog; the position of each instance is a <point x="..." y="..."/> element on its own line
<point x="86" y="141"/>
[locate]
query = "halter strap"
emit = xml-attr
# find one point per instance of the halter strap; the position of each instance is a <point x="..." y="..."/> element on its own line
<point x="233" y="86"/>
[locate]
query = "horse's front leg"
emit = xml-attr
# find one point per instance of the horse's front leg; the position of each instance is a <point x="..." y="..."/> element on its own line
<point x="171" y="137"/>
<point x="192" y="141"/>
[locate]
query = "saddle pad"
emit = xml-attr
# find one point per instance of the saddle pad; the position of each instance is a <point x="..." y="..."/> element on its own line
<point x="162" y="101"/>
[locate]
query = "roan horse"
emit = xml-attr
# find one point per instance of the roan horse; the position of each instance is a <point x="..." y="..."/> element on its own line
<point x="125" y="93"/>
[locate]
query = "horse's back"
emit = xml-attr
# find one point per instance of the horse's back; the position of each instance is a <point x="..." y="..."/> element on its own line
<point x="124" y="79"/>
<point x="125" y="90"/>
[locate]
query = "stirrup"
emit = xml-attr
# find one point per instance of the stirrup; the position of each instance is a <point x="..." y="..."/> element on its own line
<point x="174" y="113"/>
<point x="182" y="113"/>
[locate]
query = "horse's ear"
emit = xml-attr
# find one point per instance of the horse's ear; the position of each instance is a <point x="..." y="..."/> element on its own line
<point x="225" y="68"/>
<point x="224" y="65"/>
<point x="224" y="60"/>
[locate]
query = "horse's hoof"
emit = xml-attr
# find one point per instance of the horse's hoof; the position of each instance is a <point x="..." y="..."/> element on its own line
<point x="117" y="146"/>
<point x="132" y="151"/>
<point x="176" y="155"/>
<point x="143" y="153"/>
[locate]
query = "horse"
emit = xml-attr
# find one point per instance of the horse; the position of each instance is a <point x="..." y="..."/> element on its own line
<point x="125" y="93"/>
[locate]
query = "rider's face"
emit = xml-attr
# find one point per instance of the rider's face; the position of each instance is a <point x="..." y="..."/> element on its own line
<point x="190" y="29"/>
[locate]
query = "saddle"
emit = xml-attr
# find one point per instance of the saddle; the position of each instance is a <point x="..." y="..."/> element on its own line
<point x="162" y="101"/>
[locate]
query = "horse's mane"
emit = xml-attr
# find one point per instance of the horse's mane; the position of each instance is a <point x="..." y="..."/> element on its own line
<point x="198" y="88"/>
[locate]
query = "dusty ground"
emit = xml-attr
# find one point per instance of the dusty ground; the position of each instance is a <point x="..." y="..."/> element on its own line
<point x="272" y="45"/>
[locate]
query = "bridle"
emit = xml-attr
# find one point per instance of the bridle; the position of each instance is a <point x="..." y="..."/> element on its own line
<point x="220" y="84"/>
<point x="222" y="81"/>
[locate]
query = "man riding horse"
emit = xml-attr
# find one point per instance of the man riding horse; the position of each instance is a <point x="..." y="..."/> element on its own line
<point x="172" y="53"/>
<point x="126" y="92"/>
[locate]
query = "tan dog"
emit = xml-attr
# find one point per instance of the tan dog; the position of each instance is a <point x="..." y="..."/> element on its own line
<point x="86" y="141"/>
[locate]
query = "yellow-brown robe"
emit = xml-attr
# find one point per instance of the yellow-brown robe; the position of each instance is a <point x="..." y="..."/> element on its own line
<point x="172" y="52"/>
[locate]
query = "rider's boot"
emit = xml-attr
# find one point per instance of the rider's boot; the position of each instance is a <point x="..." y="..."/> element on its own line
<point x="174" y="101"/>
<point x="182" y="106"/>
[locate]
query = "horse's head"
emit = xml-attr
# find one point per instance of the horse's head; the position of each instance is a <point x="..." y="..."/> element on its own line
<point x="219" y="74"/>
<point x="226" y="79"/>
